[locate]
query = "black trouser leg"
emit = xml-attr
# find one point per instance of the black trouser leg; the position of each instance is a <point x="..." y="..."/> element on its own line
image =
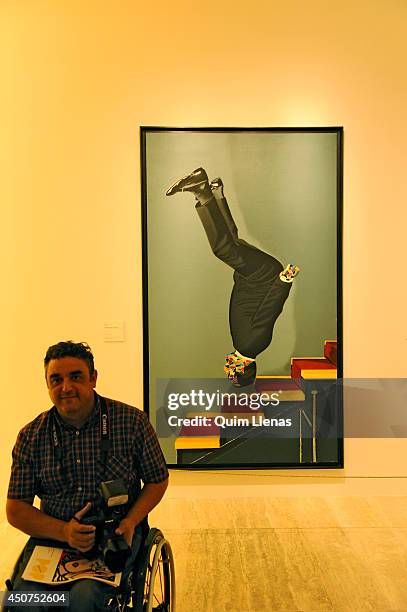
<point x="258" y="295"/>
<point x="253" y="313"/>
<point x="227" y="215"/>
<point x="244" y="258"/>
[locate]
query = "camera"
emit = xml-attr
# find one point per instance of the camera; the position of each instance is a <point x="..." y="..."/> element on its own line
<point x="106" y="517"/>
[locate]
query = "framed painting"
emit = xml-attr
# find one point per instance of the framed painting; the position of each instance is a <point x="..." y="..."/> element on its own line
<point x="242" y="295"/>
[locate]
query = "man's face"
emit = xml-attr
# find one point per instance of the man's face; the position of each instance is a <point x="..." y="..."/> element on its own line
<point x="70" y="388"/>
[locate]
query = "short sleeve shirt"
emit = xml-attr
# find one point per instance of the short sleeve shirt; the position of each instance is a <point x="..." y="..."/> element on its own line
<point x="67" y="474"/>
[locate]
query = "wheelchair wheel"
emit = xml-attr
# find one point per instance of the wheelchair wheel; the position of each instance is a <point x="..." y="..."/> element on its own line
<point x="155" y="580"/>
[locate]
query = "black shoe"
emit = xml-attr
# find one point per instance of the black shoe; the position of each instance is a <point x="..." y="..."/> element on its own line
<point x="190" y="182"/>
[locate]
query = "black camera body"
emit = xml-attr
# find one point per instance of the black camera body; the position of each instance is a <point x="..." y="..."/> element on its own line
<point x="106" y="517"/>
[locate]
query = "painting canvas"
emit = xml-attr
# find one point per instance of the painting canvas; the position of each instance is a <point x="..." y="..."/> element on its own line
<point x="242" y="295"/>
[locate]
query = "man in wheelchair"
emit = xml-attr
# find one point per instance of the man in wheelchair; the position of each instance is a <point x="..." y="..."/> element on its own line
<point x="65" y="454"/>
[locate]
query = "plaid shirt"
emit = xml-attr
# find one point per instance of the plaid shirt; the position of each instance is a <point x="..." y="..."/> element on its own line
<point x="66" y="476"/>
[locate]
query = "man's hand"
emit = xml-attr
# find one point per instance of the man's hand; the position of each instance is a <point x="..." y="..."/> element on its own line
<point x="126" y="529"/>
<point x="149" y="497"/>
<point x="81" y="537"/>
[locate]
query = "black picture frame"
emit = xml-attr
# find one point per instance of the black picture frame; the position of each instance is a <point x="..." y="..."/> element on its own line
<point x="300" y="171"/>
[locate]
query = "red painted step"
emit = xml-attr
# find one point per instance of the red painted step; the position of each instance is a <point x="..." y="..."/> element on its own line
<point x="310" y="363"/>
<point x="331" y="351"/>
<point x="200" y="431"/>
<point x="286" y="389"/>
<point x="239" y="405"/>
<point x="199" y="436"/>
<point x="275" y="384"/>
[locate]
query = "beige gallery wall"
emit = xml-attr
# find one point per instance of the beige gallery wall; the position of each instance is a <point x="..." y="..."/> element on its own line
<point x="77" y="81"/>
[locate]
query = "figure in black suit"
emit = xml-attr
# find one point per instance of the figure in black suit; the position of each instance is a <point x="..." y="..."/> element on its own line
<point x="261" y="285"/>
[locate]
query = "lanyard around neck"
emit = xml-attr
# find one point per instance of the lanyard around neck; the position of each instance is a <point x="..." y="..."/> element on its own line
<point x="104" y="430"/>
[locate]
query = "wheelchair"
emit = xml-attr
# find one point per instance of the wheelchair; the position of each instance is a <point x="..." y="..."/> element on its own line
<point x="150" y="586"/>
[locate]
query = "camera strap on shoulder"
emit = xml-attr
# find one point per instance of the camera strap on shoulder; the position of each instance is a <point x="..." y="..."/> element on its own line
<point x="104" y="431"/>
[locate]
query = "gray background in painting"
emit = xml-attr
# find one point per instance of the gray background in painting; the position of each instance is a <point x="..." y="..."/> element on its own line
<point x="281" y="188"/>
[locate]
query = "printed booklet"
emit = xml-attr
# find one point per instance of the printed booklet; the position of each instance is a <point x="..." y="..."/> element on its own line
<point x="57" y="566"/>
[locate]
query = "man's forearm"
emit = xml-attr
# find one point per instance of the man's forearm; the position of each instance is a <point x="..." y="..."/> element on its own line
<point x="34" y="522"/>
<point x="149" y="497"/>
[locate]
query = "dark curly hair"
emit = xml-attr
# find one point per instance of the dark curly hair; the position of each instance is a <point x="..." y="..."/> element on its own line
<point x="81" y="350"/>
